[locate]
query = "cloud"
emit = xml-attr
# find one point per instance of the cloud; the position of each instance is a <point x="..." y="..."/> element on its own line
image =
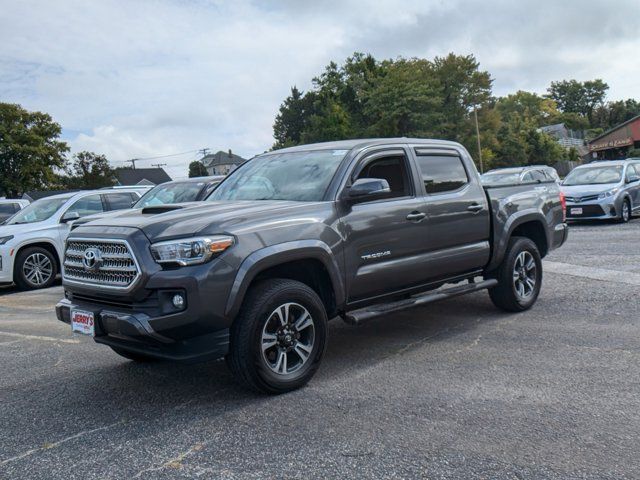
<point x="145" y="78"/>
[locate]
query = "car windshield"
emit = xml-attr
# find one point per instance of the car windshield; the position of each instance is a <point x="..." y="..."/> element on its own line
<point x="594" y="176"/>
<point x="170" y="193"/>
<point x="38" y="211"/>
<point x="295" y="176"/>
<point x="501" y="178"/>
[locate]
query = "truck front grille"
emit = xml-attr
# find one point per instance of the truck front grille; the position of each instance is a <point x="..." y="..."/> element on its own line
<point x="104" y="263"/>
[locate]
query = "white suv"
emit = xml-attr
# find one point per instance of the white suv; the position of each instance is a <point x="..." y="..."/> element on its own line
<point x="32" y="240"/>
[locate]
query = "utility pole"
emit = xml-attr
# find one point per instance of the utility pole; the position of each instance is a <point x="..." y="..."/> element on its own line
<point x="204" y="151"/>
<point x="475" y="114"/>
<point x="158" y="165"/>
<point x="133" y="162"/>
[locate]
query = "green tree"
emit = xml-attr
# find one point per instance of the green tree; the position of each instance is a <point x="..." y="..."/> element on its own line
<point x="197" y="169"/>
<point x="578" y="97"/>
<point x="30" y="150"/>
<point x="89" y="170"/>
<point x="404" y="101"/>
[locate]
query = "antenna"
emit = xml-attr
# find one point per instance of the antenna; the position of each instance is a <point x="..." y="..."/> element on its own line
<point x="159" y="165"/>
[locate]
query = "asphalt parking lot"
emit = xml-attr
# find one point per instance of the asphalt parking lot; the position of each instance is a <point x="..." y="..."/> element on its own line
<point x="454" y="390"/>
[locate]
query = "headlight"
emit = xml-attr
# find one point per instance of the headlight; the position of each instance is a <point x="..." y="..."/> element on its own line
<point x="190" y="251"/>
<point x="608" y="194"/>
<point x="4" y="240"/>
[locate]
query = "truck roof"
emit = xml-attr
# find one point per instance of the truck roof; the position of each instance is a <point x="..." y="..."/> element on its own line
<point x="364" y="142"/>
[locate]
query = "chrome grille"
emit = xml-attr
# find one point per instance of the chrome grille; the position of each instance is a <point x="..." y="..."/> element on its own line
<point x="118" y="268"/>
<point x="587" y="198"/>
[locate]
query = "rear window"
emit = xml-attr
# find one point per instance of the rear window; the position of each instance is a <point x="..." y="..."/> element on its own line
<point x="9" y="208"/>
<point x="442" y="173"/>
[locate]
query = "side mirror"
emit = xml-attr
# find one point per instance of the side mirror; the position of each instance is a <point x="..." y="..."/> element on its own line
<point x="69" y="217"/>
<point x="367" y="188"/>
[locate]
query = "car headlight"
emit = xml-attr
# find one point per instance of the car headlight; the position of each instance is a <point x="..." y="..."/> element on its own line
<point x="607" y="194"/>
<point x="190" y="251"/>
<point x="4" y="240"/>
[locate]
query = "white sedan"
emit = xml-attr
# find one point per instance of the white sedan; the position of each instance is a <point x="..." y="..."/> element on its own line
<point x="32" y="240"/>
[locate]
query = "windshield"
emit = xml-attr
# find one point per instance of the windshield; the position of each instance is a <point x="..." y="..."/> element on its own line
<point x="295" y="176"/>
<point x="501" y="178"/>
<point x="171" y="193"/>
<point x="38" y="211"/>
<point x="594" y="176"/>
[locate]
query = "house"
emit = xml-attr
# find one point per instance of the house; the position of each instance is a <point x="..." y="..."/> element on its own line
<point x="618" y="142"/>
<point x="567" y="138"/>
<point x="141" y="176"/>
<point x="222" y="163"/>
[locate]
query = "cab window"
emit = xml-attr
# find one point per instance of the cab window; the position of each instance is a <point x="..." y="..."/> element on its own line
<point x="394" y="170"/>
<point x="442" y="173"/>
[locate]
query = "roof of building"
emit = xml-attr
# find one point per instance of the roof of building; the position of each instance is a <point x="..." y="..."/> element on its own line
<point x="222" y="158"/>
<point x="617" y="127"/>
<point x="141" y="176"/>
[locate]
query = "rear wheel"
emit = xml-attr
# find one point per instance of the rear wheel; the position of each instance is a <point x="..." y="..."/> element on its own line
<point x="35" y="268"/>
<point x="519" y="276"/>
<point x="279" y="337"/>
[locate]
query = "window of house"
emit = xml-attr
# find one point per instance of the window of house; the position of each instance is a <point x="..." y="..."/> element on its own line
<point x="442" y="173"/>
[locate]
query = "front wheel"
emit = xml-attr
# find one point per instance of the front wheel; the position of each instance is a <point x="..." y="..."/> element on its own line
<point x="35" y="268"/>
<point x="519" y="276"/>
<point x="279" y="337"/>
<point x="625" y="213"/>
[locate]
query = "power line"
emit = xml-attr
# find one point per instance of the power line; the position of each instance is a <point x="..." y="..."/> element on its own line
<point x="132" y="161"/>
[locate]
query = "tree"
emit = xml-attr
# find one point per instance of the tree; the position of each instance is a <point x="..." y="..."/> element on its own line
<point x="89" y="171"/>
<point x="197" y="169"/>
<point x="578" y="97"/>
<point x="30" y="150"/>
<point x="291" y="119"/>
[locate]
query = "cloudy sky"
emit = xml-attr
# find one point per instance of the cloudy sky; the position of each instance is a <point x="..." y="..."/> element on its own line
<point x="144" y="78"/>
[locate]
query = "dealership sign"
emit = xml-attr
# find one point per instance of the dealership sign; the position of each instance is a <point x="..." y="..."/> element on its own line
<point x="614" y="143"/>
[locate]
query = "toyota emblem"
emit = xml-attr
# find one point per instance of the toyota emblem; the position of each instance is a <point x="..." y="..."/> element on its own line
<point x="92" y="259"/>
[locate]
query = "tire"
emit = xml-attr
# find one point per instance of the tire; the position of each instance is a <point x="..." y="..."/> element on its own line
<point x="136" y="357"/>
<point x="35" y="268"/>
<point x="516" y="294"/>
<point x="267" y="353"/>
<point x="625" y="211"/>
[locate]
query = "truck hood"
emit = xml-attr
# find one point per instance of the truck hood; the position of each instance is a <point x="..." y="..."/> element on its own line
<point x="204" y="218"/>
<point x="586" y="190"/>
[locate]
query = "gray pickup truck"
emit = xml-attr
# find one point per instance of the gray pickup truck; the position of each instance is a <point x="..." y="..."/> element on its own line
<point x="355" y="229"/>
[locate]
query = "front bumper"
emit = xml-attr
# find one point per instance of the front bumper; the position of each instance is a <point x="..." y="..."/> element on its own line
<point x="594" y="210"/>
<point x="6" y="264"/>
<point x="133" y="331"/>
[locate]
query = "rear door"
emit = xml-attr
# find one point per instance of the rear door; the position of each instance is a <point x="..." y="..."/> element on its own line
<point x="633" y="187"/>
<point x="384" y="238"/>
<point x="458" y="224"/>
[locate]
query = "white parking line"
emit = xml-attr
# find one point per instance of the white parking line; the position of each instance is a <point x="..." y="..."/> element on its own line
<point x="593" y="273"/>
<point x="39" y="337"/>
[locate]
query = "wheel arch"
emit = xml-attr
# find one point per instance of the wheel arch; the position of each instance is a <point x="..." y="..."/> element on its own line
<point x="308" y="261"/>
<point x="49" y="246"/>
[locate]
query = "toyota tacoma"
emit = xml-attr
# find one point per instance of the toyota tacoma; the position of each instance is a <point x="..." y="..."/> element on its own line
<point x="355" y="229"/>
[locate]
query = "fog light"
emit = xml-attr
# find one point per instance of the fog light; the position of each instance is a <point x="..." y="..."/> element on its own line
<point x="178" y="301"/>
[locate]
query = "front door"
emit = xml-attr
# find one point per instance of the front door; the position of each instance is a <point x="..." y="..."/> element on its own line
<point x="384" y="236"/>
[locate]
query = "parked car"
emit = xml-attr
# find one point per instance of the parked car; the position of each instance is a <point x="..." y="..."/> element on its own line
<point x="9" y="207"/>
<point x="519" y="175"/>
<point x="32" y="240"/>
<point x="179" y="191"/>
<point x="292" y="238"/>
<point x="603" y="190"/>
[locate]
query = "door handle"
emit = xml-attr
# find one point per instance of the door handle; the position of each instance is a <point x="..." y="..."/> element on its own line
<point x="416" y="216"/>
<point x="474" y="207"/>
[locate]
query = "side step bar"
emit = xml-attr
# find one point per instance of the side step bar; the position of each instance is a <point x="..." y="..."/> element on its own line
<point x="357" y="317"/>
